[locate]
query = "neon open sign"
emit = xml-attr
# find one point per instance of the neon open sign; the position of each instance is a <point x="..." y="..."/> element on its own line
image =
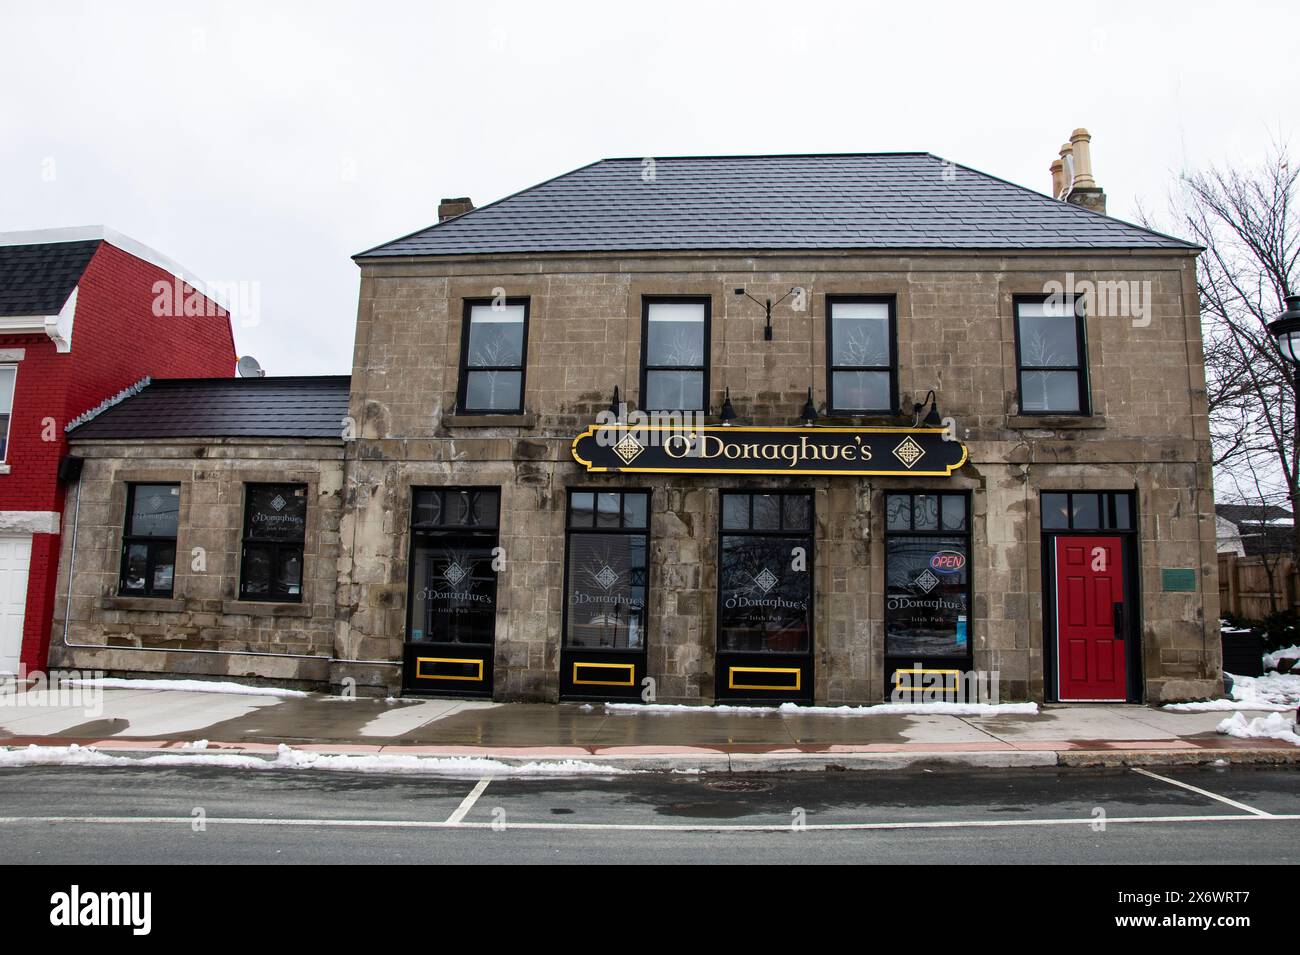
<point x="947" y="562"/>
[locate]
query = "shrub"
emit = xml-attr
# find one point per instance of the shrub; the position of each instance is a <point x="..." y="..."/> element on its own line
<point x="1281" y="629"/>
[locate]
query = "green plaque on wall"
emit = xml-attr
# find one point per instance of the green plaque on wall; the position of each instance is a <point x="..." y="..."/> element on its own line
<point x="1177" y="578"/>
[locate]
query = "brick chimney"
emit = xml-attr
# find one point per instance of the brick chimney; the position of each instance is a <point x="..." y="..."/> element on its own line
<point x="450" y="208"/>
<point x="1084" y="190"/>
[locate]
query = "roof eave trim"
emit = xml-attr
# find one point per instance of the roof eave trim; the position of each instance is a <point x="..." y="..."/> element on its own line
<point x="101" y="233"/>
<point x="1184" y="249"/>
<point x="57" y="328"/>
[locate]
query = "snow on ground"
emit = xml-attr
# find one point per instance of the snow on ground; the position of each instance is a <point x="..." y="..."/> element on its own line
<point x="191" y="686"/>
<point x="1271" y="660"/>
<point x="1272" y="691"/>
<point x="296" y="759"/>
<point x="880" y="709"/>
<point x="1273" y="726"/>
<point x="1280" y="688"/>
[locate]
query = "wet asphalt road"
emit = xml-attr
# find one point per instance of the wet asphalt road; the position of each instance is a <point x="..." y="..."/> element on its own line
<point x="1007" y="816"/>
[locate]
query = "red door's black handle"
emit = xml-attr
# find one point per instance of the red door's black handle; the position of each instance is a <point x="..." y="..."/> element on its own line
<point x="1117" y="619"/>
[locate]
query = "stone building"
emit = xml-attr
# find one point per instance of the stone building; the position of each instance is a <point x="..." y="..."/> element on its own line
<point x="772" y="428"/>
<point x="203" y="531"/>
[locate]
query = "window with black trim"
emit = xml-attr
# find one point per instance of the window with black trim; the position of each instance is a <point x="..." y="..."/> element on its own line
<point x="927" y="575"/>
<point x="275" y="526"/>
<point x="1051" y="357"/>
<point x="765" y="573"/>
<point x="861" y="335"/>
<point x="494" y="346"/>
<point x="453" y="580"/>
<point x="149" y="540"/>
<point x="675" y="354"/>
<point x="8" y="379"/>
<point x="1087" y="510"/>
<point x="607" y="571"/>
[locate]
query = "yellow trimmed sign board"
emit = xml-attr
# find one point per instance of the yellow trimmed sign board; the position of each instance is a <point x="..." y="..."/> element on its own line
<point x="854" y="452"/>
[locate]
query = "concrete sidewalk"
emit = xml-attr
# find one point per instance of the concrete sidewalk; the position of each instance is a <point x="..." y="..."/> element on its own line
<point x="151" y="720"/>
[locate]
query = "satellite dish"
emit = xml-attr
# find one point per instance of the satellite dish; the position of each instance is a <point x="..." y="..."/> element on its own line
<point x="249" y="368"/>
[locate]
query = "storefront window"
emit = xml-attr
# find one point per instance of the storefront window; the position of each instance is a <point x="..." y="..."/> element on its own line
<point x="453" y="581"/>
<point x="149" y="540"/>
<point x="927" y="575"/>
<point x="607" y="571"/>
<point x="765" y="586"/>
<point x="275" y="525"/>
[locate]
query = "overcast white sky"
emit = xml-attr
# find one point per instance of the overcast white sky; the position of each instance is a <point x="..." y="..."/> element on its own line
<point x="266" y="143"/>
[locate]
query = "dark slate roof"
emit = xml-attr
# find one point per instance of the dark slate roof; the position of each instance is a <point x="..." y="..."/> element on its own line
<point x="847" y="201"/>
<point x="289" y="407"/>
<point x="37" y="279"/>
<point x="1252" y="512"/>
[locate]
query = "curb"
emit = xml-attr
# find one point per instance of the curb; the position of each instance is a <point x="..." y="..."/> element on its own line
<point x="799" y="762"/>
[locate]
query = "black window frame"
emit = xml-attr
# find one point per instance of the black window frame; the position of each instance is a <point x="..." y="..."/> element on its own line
<point x="1108" y="525"/>
<point x="150" y="543"/>
<point x="443" y="530"/>
<point x="1108" y="512"/>
<point x="831" y="368"/>
<point x="646" y="367"/>
<point x="810" y="533"/>
<point x="939" y="531"/>
<point x="462" y="386"/>
<point x="1081" y="350"/>
<point x="276" y="547"/>
<point x="623" y="529"/>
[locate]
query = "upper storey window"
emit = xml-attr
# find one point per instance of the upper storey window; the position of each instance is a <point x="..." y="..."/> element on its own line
<point x="674" y="354"/>
<point x="1051" y="357"/>
<point x="494" y="343"/>
<point x="863" y="367"/>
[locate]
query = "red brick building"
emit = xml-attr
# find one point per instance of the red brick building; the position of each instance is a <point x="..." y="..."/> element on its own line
<point x="84" y="314"/>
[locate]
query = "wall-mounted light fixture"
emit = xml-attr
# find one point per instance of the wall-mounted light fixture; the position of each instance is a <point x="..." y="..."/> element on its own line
<point x="809" y="413"/>
<point x="728" y="413"/>
<point x="616" y="406"/>
<point x="767" y="307"/>
<point x="932" y="420"/>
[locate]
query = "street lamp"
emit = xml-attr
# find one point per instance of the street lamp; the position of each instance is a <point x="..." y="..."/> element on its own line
<point x="1285" y="330"/>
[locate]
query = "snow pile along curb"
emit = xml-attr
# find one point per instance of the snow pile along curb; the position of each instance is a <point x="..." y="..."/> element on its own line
<point x="190" y="686"/>
<point x="794" y="709"/>
<point x="294" y="759"/>
<point x="1273" y="726"/>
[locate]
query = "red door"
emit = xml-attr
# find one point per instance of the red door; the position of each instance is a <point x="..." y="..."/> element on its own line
<point x="1090" y="617"/>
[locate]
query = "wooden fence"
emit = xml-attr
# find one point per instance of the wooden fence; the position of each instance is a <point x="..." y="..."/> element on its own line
<point x="1254" y="587"/>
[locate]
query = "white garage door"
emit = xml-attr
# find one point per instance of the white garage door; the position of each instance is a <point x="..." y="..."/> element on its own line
<point x="15" y="558"/>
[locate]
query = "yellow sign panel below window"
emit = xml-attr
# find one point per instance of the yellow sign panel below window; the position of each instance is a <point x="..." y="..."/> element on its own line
<point x="463" y="661"/>
<point x="916" y="681"/>
<point x="629" y="667"/>
<point x="733" y="685"/>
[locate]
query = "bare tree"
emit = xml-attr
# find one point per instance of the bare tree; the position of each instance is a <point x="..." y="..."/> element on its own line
<point x="1246" y="221"/>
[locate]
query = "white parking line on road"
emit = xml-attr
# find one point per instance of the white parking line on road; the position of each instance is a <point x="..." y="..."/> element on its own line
<point x="467" y="803"/>
<point x="633" y="827"/>
<point x="1203" y="792"/>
